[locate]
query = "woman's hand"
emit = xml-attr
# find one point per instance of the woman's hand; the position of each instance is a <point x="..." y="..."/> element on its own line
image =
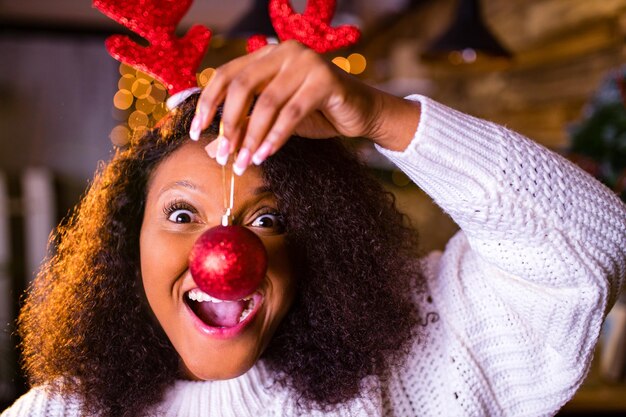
<point x="298" y="93"/>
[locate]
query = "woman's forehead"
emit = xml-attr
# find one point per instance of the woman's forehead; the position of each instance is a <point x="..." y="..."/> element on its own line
<point x="190" y="167"/>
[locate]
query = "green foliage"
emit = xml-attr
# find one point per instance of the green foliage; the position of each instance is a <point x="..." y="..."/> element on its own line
<point x="598" y="143"/>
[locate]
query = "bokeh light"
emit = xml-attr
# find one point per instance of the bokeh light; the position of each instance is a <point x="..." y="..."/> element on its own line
<point x="357" y="63"/>
<point x="123" y="99"/>
<point x="205" y="76"/>
<point x="120" y="135"/>
<point x="137" y="120"/>
<point x="146" y="105"/>
<point x="143" y="76"/>
<point x="469" y="55"/>
<point x="399" y="178"/>
<point x="125" y="69"/>
<point x="160" y="110"/>
<point x="342" y="63"/>
<point x="158" y="92"/>
<point x="141" y="88"/>
<point x="466" y="56"/>
<point x="138" y="104"/>
<point x="126" y="82"/>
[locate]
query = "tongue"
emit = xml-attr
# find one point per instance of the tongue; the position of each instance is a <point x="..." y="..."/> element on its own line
<point x="224" y="314"/>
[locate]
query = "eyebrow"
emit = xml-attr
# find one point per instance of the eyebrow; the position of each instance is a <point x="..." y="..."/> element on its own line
<point x="264" y="189"/>
<point x="258" y="191"/>
<point x="180" y="183"/>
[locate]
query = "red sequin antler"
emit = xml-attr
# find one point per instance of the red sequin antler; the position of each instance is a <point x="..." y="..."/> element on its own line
<point x="311" y="28"/>
<point x="170" y="59"/>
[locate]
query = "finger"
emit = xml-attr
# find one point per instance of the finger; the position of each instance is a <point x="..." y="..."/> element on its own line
<point x="215" y="91"/>
<point x="224" y="146"/>
<point x="221" y="151"/>
<point x="315" y="126"/>
<point x="211" y="149"/>
<point x="210" y="98"/>
<point x="240" y="93"/>
<point x="308" y="98"/>
<point x="268" y="105"/>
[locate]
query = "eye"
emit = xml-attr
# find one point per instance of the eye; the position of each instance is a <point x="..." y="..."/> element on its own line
<point x="180" y="212"/>
<point x="270" y="221"/>
<point x="181" y="216"/>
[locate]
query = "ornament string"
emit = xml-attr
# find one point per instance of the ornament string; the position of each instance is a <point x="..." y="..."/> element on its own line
<point x="229" y="195"/>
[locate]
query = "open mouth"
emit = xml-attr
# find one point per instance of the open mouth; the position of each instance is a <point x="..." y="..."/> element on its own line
<point x="218" y="313"/>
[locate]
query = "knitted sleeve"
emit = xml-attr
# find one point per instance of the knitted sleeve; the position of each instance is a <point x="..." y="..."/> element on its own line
<point x="523" y="289"/>
<point x="40" y="402"/>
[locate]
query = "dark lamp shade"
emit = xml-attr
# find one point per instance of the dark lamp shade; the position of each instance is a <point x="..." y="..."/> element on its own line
<point x="467" y="31"/>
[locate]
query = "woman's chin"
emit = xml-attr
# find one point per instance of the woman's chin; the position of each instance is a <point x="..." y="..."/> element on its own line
<point x="219" y="372"/>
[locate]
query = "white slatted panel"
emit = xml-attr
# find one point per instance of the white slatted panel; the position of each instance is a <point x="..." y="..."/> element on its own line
<point x="39" y="215"/>
<point x="6" y="319"/>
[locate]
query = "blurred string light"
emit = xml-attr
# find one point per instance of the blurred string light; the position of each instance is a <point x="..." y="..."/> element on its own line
<point x="139" y="102"/>
<point x="354" y="64"/>
<point x="399" y="178"/>
<point x="342" y="63"/>
<point x="466" y="56"/>
<point x="205" y="76"/>
<point x="120" y="135"/>
<point x="467" y="38"/>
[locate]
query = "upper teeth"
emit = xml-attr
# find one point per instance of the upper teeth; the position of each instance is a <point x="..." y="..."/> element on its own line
<point x="200" y="296"/>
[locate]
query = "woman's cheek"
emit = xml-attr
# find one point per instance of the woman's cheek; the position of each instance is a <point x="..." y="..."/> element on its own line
<point x="280" y="272"/>
<point x="163" y="256"/>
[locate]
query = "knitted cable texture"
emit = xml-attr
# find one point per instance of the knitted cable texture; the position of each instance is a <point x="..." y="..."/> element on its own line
<point x="515" y="302"/>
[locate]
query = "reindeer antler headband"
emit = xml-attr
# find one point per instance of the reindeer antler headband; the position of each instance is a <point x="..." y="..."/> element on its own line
<point x="174" y="61"/>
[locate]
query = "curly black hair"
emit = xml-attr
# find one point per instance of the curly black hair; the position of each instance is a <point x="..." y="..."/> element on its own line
<point x="88" y="331"/>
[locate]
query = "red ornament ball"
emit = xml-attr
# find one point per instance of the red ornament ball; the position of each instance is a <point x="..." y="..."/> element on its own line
<point x="228" y="262"/>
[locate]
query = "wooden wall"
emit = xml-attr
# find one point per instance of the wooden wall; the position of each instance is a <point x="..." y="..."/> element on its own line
<point x="562" y="50"/>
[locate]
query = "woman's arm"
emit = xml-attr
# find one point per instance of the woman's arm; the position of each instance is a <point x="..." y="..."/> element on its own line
<point x="505" y="190"/>
<point x="522" y="291"/>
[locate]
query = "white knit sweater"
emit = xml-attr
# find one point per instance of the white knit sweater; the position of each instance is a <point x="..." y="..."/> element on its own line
<point x="515" y="301"/>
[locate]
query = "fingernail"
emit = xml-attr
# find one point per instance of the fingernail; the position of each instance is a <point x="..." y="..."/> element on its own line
<point x="222" y="150"/>
<point x="210" y="150"/>
<point x="262" y="153"/>
<point x="231" y="148"/>
<point x="243" y="160"/>
<point x="194" y="130"/>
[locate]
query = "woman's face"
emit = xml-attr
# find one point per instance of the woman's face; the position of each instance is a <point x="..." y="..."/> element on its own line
<point x="185" y="198"/>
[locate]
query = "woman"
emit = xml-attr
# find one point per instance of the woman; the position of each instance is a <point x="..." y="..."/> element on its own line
<point x="510" y="310"/>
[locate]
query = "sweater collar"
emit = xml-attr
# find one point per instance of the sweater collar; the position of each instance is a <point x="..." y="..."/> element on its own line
<point x="246" y="395"/>
<point x="255" y="394"/>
